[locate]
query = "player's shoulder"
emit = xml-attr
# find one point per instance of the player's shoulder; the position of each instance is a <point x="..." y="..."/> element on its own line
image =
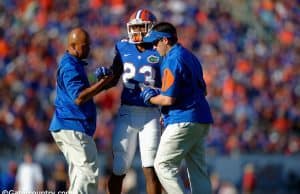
<point x="149" y="50"/>
<point x="123" y="43"/>
<point x="124" y="46"/>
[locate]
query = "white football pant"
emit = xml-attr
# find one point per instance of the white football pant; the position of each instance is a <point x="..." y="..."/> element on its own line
<point x="135" y="122"/>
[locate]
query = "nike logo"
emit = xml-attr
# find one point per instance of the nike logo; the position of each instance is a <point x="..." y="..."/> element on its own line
<point x="122" y="115"/>
<point x="126" y="55"/>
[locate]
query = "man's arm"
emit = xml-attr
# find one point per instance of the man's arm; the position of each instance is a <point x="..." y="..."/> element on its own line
<point x="91" y="91"/>
<point x="104" y="83"/>
<point x="153" y="96"/>
<point x="162" y="100"/>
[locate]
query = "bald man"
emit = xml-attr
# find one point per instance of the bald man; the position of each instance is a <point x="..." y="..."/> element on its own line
<point x="74" y="120"/>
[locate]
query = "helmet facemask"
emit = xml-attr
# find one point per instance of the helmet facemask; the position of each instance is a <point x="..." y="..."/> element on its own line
<point x="137" y="31"/>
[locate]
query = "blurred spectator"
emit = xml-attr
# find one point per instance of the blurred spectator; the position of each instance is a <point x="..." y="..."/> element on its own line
<point x="8" y="179"/>
<point x="29" y="175"/>
<point x="293" y="182"/>
<point x="59" y="178"/>
<point x="215" y="182"/>
<point x="227" y="188"/>
<point x="248" y="179"/>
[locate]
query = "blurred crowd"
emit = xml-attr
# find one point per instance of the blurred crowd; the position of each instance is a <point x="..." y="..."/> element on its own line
<point x="250" y="52"/>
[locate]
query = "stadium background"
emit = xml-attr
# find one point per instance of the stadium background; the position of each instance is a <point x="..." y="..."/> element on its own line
<point x="251" y="61"/>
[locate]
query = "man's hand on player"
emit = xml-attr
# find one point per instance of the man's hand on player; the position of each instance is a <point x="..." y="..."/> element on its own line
<point x="101" y="72"/>
<point x="148" y="93"/>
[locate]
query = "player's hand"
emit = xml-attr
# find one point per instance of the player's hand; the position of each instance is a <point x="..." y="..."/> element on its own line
<point x="148" y="93"/>
<point x="100" y="72"/>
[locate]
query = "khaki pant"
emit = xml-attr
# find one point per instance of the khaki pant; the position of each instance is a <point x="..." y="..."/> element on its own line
<point x="183" y="141"/>
<point x="81" y="154"/>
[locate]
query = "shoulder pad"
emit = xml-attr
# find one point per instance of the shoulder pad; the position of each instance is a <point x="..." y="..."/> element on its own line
<point x="122" y="43"/>
<point x="124" y="40"/>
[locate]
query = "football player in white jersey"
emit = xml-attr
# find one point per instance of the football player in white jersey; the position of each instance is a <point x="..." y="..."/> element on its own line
<point x="138" y="64"/>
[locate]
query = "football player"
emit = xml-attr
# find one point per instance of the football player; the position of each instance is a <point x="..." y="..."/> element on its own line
<point x="138" y="64"/>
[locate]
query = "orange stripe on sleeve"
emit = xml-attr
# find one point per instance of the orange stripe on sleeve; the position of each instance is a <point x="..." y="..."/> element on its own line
<point x="167" y="80"/>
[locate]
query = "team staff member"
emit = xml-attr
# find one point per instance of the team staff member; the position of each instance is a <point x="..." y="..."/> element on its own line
<point x="74" y="121"/>
<point x="186" y="113"/>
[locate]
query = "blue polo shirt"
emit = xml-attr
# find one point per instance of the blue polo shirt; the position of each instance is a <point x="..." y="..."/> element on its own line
<point x="182" y="78"/>
<point x="71" y="80"/>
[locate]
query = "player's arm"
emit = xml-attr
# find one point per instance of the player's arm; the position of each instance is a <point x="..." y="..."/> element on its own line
<point x="117" y="70"/>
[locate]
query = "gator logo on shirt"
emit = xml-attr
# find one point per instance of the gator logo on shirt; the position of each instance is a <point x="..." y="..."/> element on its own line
<point x="153" y="59"/>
